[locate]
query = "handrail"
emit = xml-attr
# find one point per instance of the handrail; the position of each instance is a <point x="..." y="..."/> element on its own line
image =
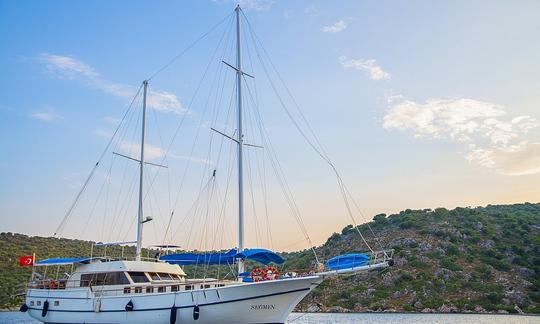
<point x="62" y="284"/>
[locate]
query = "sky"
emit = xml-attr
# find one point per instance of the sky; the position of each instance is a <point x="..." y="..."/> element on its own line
<point x="418" y="105"/>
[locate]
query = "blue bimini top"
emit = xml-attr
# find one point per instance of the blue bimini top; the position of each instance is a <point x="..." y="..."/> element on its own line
<point x="347" y="261"/>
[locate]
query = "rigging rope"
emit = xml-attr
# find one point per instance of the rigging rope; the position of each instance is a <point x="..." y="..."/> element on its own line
<point x="262" y="175"/>
<point x="68" y="213"/>
<point x="280" y="177"/>
<point x="217" y="101"/>
<point x="189" y="47"/>
<point x="317" y="148"/>
<point x="183" y="120"/>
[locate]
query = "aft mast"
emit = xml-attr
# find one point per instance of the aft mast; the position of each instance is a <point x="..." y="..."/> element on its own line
<point x="140" y="220"/>
<point x="240" y="142"/>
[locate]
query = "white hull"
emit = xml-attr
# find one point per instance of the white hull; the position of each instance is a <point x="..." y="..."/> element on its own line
<point x="261" y="302"/>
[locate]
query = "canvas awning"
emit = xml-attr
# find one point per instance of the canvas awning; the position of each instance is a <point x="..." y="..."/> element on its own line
<point x="63" y="261"/>
<point x="260" y="255"/>
<point x="347" y="261"/>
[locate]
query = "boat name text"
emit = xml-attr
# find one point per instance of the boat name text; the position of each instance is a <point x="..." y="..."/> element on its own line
<point x="263" y="307"/>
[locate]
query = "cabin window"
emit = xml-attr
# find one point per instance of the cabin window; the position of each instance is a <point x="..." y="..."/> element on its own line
<point x="174" y="288"/>
<point x="149" y="290"/>
<point x="220" y="285"/>
<point x="86" y="279"/>
<point x="205" y="286"/>
<point x="56" y="303"/>
<point x="165" y="276"/>
<point x="161" y="289"/>
<point x="99" y="279"/>
<point x="39" y="302"/>
<point x="116" y="278"/>
<point x="127" y="290"/>
<point x="138" y="290"/>
<point x="32" y="303"/>
<point x="189" y="287"/>
<point x="154" y="276"/>
<point x="138" y="277"/>
<point x="104" y="279"/>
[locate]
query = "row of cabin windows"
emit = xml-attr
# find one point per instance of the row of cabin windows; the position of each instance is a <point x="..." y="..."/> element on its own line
<point x="120" y="278"/>
<point x="164" y="276"/>
<point x="161" y="289"/>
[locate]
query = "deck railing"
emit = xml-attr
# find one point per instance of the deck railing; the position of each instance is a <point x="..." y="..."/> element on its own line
<point x="381" y="256"/>
<point x="154" y="287"/>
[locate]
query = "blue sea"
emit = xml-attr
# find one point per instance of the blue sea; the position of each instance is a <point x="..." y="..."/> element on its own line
<point x="378" y="318"/>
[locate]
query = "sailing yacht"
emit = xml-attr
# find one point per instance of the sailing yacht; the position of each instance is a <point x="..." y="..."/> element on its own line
<point x="119" y="290"/>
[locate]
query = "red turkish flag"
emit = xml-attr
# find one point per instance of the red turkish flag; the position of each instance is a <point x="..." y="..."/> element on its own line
<point x="26" y="260"/>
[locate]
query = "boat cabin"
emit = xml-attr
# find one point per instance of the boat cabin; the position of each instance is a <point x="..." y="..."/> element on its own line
<point x="106" y="277"/>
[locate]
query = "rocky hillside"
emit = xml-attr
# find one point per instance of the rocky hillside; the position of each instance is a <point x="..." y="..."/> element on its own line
<point x="484" y="259"/>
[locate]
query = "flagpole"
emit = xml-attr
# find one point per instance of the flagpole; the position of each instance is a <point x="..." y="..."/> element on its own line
<point x="33" y="266"/>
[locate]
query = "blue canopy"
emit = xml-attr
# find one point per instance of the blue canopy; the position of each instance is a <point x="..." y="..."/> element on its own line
<point x="347" y="261"/>
<point x="260" y="255"/>
<point x="63" y="261"/>
<point x="200" y="258"/>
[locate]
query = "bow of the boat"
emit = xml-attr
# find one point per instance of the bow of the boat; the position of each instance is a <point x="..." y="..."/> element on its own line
<point x="266" y="302"/>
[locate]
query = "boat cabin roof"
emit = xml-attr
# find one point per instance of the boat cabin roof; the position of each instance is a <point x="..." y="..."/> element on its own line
<point x="139" y="266"/>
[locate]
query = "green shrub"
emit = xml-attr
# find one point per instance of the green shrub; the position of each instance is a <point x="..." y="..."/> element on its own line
<point x="449" y="263"/>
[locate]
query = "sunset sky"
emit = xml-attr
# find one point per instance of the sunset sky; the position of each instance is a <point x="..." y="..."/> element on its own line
<point x="418" y="104"/>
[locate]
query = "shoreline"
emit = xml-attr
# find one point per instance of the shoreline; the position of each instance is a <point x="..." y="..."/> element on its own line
<point x="420" y="313"/>
<point x="356" y="313"/>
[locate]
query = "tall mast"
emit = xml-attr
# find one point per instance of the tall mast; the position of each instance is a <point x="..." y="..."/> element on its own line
<point x="240" y="143"/>
<point x="140" y="220"/>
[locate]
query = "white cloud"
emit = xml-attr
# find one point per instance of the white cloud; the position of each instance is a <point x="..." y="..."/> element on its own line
<point x="151" y="152"/>
<point x="165" y="101"/>
<point x="312" y="11"/>
<point x="391" y="98"/>
<point x="103" y="133"/>
<point x="67" y="67"/>
<point x="47" y="116"/>
<point x="462" y="120"/>
<point x="335" y="28"/>
<point x="520" y="159"/>
<point x="258" y="5"/>
<point x="191" y="159"/>
<point x="491" y="135"/>
<point x="288" y="14"/>
<point x="370" y="66"/>
<point x="112" y="120"/>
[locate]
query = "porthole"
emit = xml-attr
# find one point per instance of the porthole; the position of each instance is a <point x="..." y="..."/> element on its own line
<point x="56" y="303"/>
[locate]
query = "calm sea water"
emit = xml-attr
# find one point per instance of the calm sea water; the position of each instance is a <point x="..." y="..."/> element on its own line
<point x="298" y="318"/>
